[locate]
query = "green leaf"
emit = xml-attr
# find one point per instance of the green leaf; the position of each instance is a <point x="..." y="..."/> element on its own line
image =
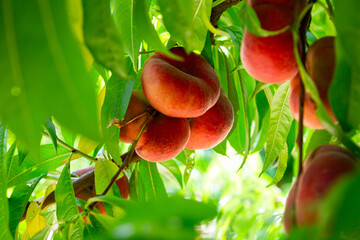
<point x="66" y="206"/>
<point x="104" y="171"/>
<point x="32" y="167"/>
<point x="136" y="186"/>
<point x="174" y="169"/>
<point x="18" y="201"/>
<point x="236" y="33"/>
<point x="319" y="137"/>
<point x="10" y="155"/>
<point x="321" y="24"/>
<point x="173" y="218"/>
<point x="68" y="136"/>
<point x="125" y="15"/>
<point x="244" y="116"/>
<point x="189" y="165"/>
<point x="113" y="200"/>
<point x="145" y="28"/>
<point x="345" y="88"/>
<point x="43" y="71"/>
<point x="102" y="36"/>
<point x="291" y="138"/>
<point x="117" y="97"/>
<point x="22" y="152"/>
<point x="207" y="52"/>
<point x="4" y="204"/>
<point x="201" y="9"/>
<point x="182" y="18"/>
<point x="50" y="127"/>
<point x="153" y="184"/>
<point x="178" y="20"/>
<point x="42" y="234"/>
<point x="280" y="124"/>
<point x="282" y="164"/>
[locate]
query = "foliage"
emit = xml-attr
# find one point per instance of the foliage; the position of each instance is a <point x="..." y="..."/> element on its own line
<point x="68" y="69"/>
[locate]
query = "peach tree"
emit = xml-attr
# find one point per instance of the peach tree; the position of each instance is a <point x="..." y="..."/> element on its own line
<point x="182" y="119"/>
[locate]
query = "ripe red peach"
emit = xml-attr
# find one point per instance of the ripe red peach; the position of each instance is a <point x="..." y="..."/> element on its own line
<point x="327" y="149"/>
<point x="323" y="170"/>
<point x="184" y="89"/>
<point x="270" y="59"/>
<point x="137" y="105"/>
<point x="212" y="127"/>
<point x="164" y="138"/>
<point x="320" y="64"/>
<point x="324" y="166"/>
<point x="293" y="5"/>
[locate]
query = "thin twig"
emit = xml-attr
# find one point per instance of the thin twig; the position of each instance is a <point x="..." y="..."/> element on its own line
<point x="72" y="149"/>
<point x="217" y="11"/>
<point x="146" y="52"/>
<point x="331" y="9"/>
<point x="127" y="158"/>
<point x="122" y="123"/>
<point x="83" y="182"/>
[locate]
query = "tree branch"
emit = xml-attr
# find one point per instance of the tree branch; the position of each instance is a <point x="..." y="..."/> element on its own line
<point x="72" y="149"/>
<point x="129" y="156"/>
<point x="85" y="181"/>
<point x="305" y="23"/>
<point x="217" y="11"/>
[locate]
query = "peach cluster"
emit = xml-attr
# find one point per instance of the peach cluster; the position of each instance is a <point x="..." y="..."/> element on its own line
<point x="271" y="59"/>
<point x="324" y="166"/>
<point x="320" y="64"/>
<point x="192" y="110"/>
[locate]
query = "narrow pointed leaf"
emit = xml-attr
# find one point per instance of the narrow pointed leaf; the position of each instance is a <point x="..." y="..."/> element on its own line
<point x="66" y="206"/>
<point x="18" y="201"/>
<point x="4" y="204"/>
<point x="104" y="171"/>
<point x="50" y="128"/>
<point x="32" y="167"/>
<point x="153" y="184"/>
<point x="102" y="36"/>
<point x="136" y="186"/>
<point x="174" y="169"/>
<point x="190" y="164"/>
<point x="282" y="164"/>
<point x="117" y="97"/>
<point x="345" y="89"/>
<point x="279" y="125"/>
<point x="44" y="75"/>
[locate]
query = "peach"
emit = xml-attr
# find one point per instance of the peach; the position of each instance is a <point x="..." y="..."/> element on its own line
<point x="320" y="64"/>
<point x="293" y="5"/>
<point x="123" y="185"/>
<point x="327" y="149"/>
<point x="270" y="59"/>
<point x="184" y="89"/>
<point x="164" y="138"/>
<point x="212" y="127"/>
<point x="324" y="169"/>
<point x="137" y="105"/>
